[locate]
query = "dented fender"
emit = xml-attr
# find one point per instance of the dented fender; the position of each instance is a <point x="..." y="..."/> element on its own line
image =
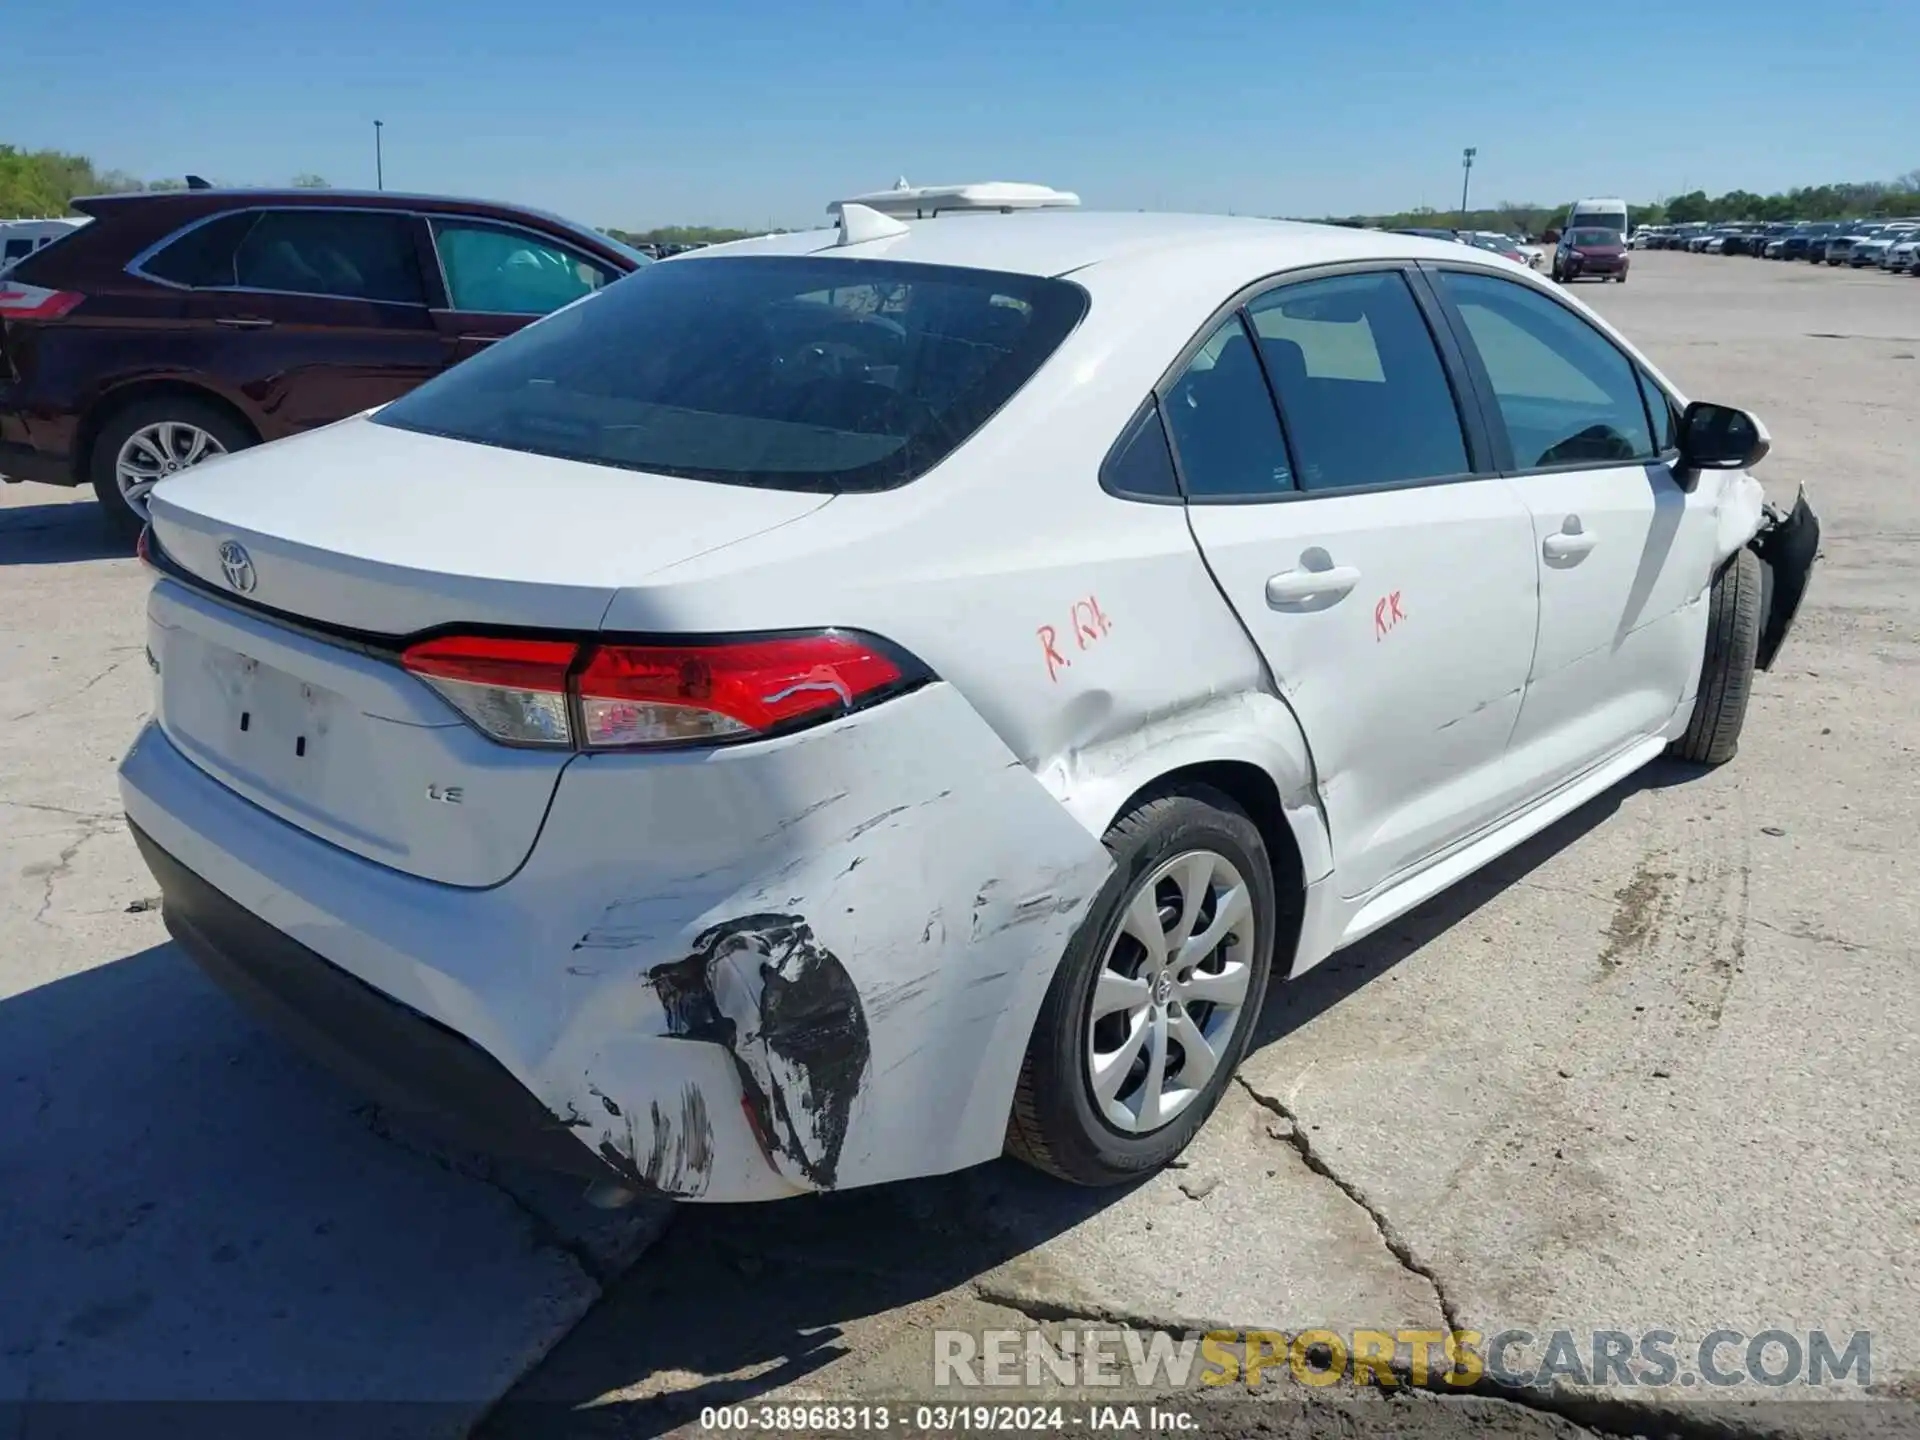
<point x="1096" y="773"/>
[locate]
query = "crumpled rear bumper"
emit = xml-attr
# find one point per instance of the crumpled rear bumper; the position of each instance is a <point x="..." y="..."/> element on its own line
<point x="804" y="964"/>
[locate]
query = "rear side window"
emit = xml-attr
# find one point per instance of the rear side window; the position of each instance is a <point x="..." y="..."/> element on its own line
<point x="1141" y="466"/>
<point x="351" y="254"/>
<point x="1223" y="423"/>
<point x="202" y="258"/>
<point x="15" y="249"/>
<point x="800" y="373"/>
<point x="1365" y="398"/>
<point x="1567" y="394"/>
<point x="499" y="271"/>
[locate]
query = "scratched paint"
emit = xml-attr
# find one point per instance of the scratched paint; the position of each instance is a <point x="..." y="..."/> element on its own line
<point x="786" y="1010"/>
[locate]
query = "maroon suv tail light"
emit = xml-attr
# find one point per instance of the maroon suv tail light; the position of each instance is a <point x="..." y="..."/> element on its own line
<point x="618" y="697"/>
<point x="30" y="302"/>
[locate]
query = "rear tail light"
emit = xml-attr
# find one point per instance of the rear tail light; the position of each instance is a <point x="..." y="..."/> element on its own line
<point x="513" y="690"/>
<point x="30" y="302"/>
<point x="615" y="697"/>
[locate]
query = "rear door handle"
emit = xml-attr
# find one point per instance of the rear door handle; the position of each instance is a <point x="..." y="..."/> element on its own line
<point x="1293" y="585"/>
<point x="478" y="339"/>
<point x="1569" y="545"/>
<point x="242" y="322"/>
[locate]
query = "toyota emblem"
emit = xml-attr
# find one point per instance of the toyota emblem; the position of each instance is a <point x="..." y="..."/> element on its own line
<point x="237" y="566"/>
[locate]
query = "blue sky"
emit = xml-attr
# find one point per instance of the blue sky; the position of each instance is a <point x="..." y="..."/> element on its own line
<point x="745" y="112"/>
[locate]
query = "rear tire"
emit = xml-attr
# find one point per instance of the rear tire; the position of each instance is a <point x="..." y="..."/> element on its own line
<point x="1735" y="611"/>
<point x="202" y="423"/>
<point x="1058" y="1124"/>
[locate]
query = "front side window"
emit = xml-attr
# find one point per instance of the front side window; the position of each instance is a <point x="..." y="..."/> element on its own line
<point x="790" y="372"/>
<point x="511" y="272"/>
<point x="1222" y="421"/>
<point x="349" y="254"/>
<point x="1567" y="395"/>
<point x="1362" y="390"/>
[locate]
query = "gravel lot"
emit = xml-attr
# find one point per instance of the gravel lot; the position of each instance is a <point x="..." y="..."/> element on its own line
<point x="1655" y="1070"/>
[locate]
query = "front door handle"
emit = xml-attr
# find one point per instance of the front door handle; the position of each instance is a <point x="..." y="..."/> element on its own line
<point x="478" y="339"/>
<point x="1290" y="586"/>
<point x="1569" y="544"/>
<point x="242" y="322"/>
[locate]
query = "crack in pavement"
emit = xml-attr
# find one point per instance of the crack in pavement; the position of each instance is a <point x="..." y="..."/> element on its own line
<point x="1396" y="1244"/>
<point x="73" y="694"/>
<point x="63" y="865"/>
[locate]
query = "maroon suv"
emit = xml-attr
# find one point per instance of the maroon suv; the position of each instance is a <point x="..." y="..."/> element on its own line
<point x="186" y="324"/>
<point x="1590" y="254"/>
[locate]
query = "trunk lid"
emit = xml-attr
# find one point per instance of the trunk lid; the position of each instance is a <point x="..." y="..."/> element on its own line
<point x="358" y="535"/>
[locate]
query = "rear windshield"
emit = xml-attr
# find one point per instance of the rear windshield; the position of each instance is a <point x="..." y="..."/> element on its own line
<point x="793" y="373"/>
<point x="1594" y="237"/>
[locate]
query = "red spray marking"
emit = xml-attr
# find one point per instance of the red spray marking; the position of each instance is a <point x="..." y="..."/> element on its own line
<point x="1387" y="614"/>
<point x="1056" y="662"/>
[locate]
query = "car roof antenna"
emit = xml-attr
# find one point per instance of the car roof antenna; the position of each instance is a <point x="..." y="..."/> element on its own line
<point x="861" y="223"/>
<point x="195" y="182"/>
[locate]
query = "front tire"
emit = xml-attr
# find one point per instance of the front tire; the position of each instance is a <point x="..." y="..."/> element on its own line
<point x="150" y="440"/>
<point x="1156" y="1000"/>
<point x="1735" y="611"/>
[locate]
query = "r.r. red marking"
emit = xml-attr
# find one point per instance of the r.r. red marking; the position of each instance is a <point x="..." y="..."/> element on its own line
<point x="1088" y="624"/>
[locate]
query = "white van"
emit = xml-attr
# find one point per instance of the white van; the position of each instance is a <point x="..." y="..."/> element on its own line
<point x="1598" y="214"/>
<point x="20" y="238"/>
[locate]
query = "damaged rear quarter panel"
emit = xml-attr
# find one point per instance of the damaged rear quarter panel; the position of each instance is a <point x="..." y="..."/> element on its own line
<point x="840" y="939"/>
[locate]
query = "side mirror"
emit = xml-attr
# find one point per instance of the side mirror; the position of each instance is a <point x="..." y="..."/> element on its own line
<point x="1719" y="437"/>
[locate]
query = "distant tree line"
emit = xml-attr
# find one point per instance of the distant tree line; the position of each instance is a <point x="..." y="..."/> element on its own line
<point x="682" y="235"/>
<point x="45" y="182"/>
<point x="42" y="183"/>
<point x="1900" y="196"/>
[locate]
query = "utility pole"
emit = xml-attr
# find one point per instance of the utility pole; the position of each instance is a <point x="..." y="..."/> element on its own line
<point x="379" y="166"/>
<point x="1466" y="174"/>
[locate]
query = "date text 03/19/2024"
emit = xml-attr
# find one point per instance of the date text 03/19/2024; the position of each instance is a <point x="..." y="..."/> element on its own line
<point x="943" y="1419"/>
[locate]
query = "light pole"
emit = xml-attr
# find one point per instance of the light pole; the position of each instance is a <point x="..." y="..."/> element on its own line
<point x="1466" y="174"/>
<point x="379" y="166"/>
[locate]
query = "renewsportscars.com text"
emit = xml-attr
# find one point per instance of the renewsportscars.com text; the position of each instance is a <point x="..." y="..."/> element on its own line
<point x="1718" y="1361"/>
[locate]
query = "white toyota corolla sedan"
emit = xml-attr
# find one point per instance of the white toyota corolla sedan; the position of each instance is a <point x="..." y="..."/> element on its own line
<point x="840" y="706"/>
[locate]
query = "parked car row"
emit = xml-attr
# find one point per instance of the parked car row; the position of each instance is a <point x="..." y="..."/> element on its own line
<point x="1891" y="245"/>
<point x="1516" y="248"/>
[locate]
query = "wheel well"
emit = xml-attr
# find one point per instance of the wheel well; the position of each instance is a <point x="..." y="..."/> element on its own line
<point x="112" y="403"/>
<point x="1253" y="790"/>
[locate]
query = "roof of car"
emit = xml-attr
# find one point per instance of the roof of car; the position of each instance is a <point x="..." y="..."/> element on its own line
<point x="1058" y="242"/>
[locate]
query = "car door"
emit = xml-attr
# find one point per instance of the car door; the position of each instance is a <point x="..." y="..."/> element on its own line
<point x="501" y="277"/>
<point x="1390" y="587"/>
<point x="1625" y="549"/>
<point x="321" y="313"/>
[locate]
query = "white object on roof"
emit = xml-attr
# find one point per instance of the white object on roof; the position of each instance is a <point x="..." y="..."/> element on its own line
<point x="860" y="223"/>
<point x="921" y="202"/>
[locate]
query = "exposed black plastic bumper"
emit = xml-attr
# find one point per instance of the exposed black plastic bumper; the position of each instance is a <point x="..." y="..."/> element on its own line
<point x="392" y="1054"/>
<point x="1787" y="549"/>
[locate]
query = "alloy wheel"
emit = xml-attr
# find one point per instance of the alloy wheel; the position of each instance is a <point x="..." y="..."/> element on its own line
<point x="153" y="452"/>
<point x="1170" y="992"/>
